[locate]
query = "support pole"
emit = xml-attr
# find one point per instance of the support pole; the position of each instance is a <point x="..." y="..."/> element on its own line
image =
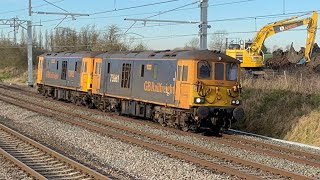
<point x="30" y="71"/>
<point x="203" y="24"/>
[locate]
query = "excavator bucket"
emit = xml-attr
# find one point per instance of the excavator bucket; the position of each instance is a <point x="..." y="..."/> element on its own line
<point x="295" y="57"/>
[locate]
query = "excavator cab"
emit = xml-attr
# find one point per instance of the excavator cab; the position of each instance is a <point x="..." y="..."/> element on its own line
<point x="239" y="49"/>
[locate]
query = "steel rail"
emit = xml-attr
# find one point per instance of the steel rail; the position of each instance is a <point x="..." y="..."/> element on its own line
<point x="189" y="146"/>
<point x="22" y="166"/>
<point x="217" y="140"/>
<point x="276" y="147"/>
<point x="50" y="152"/>
<point x="204" y="163"/>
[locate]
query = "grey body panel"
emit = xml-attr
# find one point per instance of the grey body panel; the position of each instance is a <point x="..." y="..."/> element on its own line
<point x="162" y="89"/>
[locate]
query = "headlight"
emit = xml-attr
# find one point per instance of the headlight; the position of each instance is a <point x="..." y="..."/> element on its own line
<point x="237" y="102"/>
<point x="199" y="100"/>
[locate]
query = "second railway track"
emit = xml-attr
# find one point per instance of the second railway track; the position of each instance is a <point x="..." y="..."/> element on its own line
<point x="39" y="161"/>
<point x="240" y="172"/>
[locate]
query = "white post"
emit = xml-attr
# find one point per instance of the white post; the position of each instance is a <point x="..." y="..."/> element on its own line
<point x="29" y="24"/>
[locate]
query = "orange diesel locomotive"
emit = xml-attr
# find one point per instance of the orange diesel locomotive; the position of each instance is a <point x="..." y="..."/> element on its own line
<point x="183" y="89"/>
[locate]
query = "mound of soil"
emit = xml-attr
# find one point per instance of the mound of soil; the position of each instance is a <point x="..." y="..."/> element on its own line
<point x="280" y="61"/>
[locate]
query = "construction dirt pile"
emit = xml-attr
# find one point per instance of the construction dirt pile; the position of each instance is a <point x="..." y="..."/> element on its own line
<point x="280" y="61"/>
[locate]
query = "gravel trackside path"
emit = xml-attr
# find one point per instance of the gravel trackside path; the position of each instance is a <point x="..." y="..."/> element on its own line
<point x="119" y="159"/>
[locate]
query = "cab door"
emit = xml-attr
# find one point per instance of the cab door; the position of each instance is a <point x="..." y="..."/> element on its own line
<point x="96" y="77"/>
<point x="183" y="83"/>
<point x="40" y="70"/>
<point x="86" y="74"/>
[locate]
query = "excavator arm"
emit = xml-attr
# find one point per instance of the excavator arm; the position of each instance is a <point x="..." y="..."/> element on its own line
<point x="284" y="25"/>
<point x="312" y="31"/>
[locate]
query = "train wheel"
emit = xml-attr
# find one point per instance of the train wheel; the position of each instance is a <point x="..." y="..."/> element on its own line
<point x="185" y="128"/>
<point x="44" y="93"/>
<point x="226" y="124"/>
<point x="77" y="101"/>
<point x="216" y="130"/>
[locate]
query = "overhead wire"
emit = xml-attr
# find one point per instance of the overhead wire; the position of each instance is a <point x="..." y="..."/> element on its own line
<point x="127" y="8"/>
<point x="55" y="5"/>
<point x="134" y="7"/>
<point x="179" y="9"/>
<point x="23" y="9"/>
<point x="220" y="20"/>
<point x="170" y="37"/>
<point x="170" y="10"/>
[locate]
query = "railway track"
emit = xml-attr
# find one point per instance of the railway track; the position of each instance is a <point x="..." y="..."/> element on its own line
<point x="235" y="141"/>
<point x="238" y="167"/>
<point x="39" y="161"/>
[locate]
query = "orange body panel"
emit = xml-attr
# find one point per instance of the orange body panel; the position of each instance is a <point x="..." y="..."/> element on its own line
<point x="86" y="74"/>
<point x="182" y="95"/>
<point x="40" y="70"/>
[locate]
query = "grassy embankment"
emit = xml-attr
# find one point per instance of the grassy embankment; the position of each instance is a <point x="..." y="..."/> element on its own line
<point x="13" y="64"/>
<point x="286" y="108"/>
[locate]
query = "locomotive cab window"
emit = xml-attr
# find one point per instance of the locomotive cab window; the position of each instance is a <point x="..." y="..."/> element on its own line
<point x="232" y="72"/>
<point x="40" y="64"/>
<point x="84" y="69"/>
<point x="204" y="70"/>
<point x="98" y="68"/>
<point x="219" y="71"/>
<point x="185" y="73"/>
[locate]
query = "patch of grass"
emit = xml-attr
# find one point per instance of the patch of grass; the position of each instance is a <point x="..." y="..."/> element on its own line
<point x="15" y="75"/>
<point x="5" y="75"/>
<point x="288" y="110"/>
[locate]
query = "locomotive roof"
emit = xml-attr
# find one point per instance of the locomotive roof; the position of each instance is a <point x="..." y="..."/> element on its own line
<point x="67" y="54"/>
<point x="165" y="54"/>
<point x="171" y="54"/>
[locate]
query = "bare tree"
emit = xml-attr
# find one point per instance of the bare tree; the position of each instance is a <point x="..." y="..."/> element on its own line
<point x="193" y="44"/>
<point x="40" y="40"/>
<point x="218" y="40"/>
<point x="112" y="40"/>
<point x="139" y="47"/>
<point x="23" y="39"/>
<point x="46" y="40"/>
